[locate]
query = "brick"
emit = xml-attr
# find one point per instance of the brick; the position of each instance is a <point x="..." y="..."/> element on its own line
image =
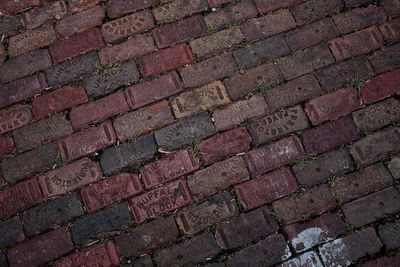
<point x="143" y="261"/>
<point x="376" y="146"/>
<point x="3" y="53"/>
<point x="353" y="3"/>
<point x="80" y="22"/>
<point x="315" y="201"/>
<point x="377" y="115"/>
<point x="375" y="206"/>
<point x="8" y="25"/>
<point x="293" y="92"/>
<point x="246" y="228"/>
<point x="147" y="237"/>
<point x="208" y="70"/>
<point x="390" y="234"/>
<point x="162" y="199"/>
<point x="266" y="6"/>
<point x="219" y="176"/>
<point x="330" y="135"/>
<point x="105" y="223"/>
<point x="39" y="159"/>
<point x="394" y="167"/>
<point x="322" y="167"/>
<point x="104" y="254"/>
<point x="333" y="105"/>
<point x="80" y="5"/>
<point x="312" y="10"/>
<point x="265" y="189"/>
<point x="69" y="177"/>
<point x="6" y="146"/>
<point x="185" y="132"/>
<point x="41" y="132"/>
<point x="386" y="59"/>
<point x="31" y="40"/>
<point x="345" y="250"/>
<point x="21" y="89"/>
<point x="11" y="232"/>
<point x="278" y="125"/>
<point x="119" y="157"/>
<point x="392" y="7"/>
<point x="264" y="50"/>
<point x="312" y="34"/>
<point x="304" y="236"/>
<point x="58" y="100"/>
<point x="250" y="80"/>
<point x="41" y="15"/>
<point x="275" y="155"/>
<point x="380" y="86"/>
<point x="15" y="117"/>
<point x="52" y="213"/>
<point x="357" y="43"/>
<point x="178" y="9"/>
<point x="239" y="111"/>
<point x="87" y="141"/>
<point x="305" y="61"/>
<point x="113" y="189"/>
<point x="8" y="8"/>
<point x="266" y="252"/>
<point x="384" y="261"/>
<point x="24" y="65"/>
<point x="68" y="71"/>
<point x="117" y="8"/>
<point x="3" y="260"/>
<point x="126" y="26"/>
<point x="342" y="73"/>
<point x="41" y="249"/>
<point x="217" y="3"/>
<point x="133" y="47"/>
<point x="308" y="259"/>
<point x="270" y="24"/>
<point x="391" y="30"/>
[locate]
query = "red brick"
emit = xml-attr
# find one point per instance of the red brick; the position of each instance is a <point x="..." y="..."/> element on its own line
<point x="224" y="145"/>
<point x="117" y="8"/>
<point x="384" y="261"/>
<point x="392" y="7"/>
<point x="11" y="232"/>
<point x="165" y="198"/>
<point x="266" y="6"/>
<point x="333" y="105"/>
<point x="80" y="5"/>
<point x="58" y="100"/>
<point x="88" y="141"/>
<point x="357" y="43"/>
<point x="239" y="111"/>
<point x="19" y="197"/>
<point x="180" y="31"/>
<point x="151" y="91"/>
<point x="330" y="135"/>
<point x="391" y="30"/>
<point x="386" y="59"/>
<point x="103" y="254"/>
<point x="178" y="9"/>
<point x="126" y="26"/>
<point x="41" y="249"/>
<point x="98" y="110"/>
<point x="106" y="192"/>
<point x="268" y="25"/>
<point x="6" y="146"/>
<point x="275" y="155"/>
<point x="31" y="40"/>
<point x="41" y="15"/>
<point x="15" y="117"/>
<point x="217" y="3"/>
<point x="69" y="177"/>
<point x="80" y="22"/>
<point x="166" y="59"/>
<point x="169" y="168"/>
<point x="10" y="7"/>
<point x="315" y="9"/>
<point x="381" y="86"/>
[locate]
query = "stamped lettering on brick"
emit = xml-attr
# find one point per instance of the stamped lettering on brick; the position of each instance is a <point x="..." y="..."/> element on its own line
<point x="14" y="117"/>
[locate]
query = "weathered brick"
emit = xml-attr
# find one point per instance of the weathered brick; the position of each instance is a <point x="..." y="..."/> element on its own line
<point x="394" y="167"/>
<point x="275" y="155"/>
<point x="41" y="249"/>
<point x="106" y="192"/>
<point x="3" y="53"/>
<point x="217" y="3"/>
<point x="8" y="25"/>
<point x="390" y="234"/>
<point x="208" y="70"/>
<point x="10" y="7"/>
<point x="308" y="259"/>
<point x="277" y="125"/>
<point x="372" y="207"/>
<point x="391" y="30"/>
<point x="39" y="159"/>
<point x="384" y="261"/>
<point x="239" y="111"/>
<point x="266" y="6"/>
<point x="386" y="59"/>
<point x="41" y="132"/>
<point x="312" y="10"/>
<point x="392" y="7"/>
<point x="11" y="232"/>
<point x="270" y="24"/>
<point x="41" y="15"/>
<point x="133" y="153"/>
<point x="69" y="177"/>
<point x="107" y="222"/>
<point x="376" y="146"/>
<point x="141" y="261"/>
<point x="162" y="199"/>
<point x="6" y="147"/>
<point x="58" y="100"/>
<point x="314" y="201"/>
<point x="219" y="176"/>
<point x="14" y="117"/>
<point x="178" y="9"/>
<point x="304" y="236"/>
<point x="117" y="8"/>
<point x="323" y="167"/>
<point x="80" y="22"/>
<point x="80" y="5"/>
<point x="51" y="214"/>
<point x="353" y="3"/>
<point x="330" y="135"/>
<point x="345" y="250"/>
<point x="381" y="86"/>
<point x="333" y="105"/>
<point x="146" y="237"/>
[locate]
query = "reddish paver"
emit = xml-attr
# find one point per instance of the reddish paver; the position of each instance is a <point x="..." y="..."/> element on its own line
<point x="15" y="117"/>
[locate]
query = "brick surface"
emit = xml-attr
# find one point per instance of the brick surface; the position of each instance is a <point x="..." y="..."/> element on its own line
<point x="6" y="146"/>
<point x="41" y="15"/>
<point x="16" y="6"/>
<point x="217" y="3"/>
<point x="390" y="233"/>
<point x="266" y="6"/>
<point x="391" y="30"/>
<point x="8" y="25"/>
<point x="314" y="9"/>
<point x="11" y="232"/>
<point x="353" y="3"/>
<point x="117" y="8"/>
<point x="178" y="9"/>
<point x="15" y="117"/>
<point x="309" y="259"/>
<point x="380" y="86"/>
<point x="394" y="167"/>
<point x="390" y="261"/>
<point x="79" y="5"/>
<point x="386" y="59"/>
<point x="392" y="7"/>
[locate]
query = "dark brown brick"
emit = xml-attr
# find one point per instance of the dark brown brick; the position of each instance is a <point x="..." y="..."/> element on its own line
<point x="384" y="261"/>
<point x="79" y="5"/>
<point x="390" y="234"/>
<point x="8" y="25"/>
<point x="14" y="117"/>
<point x="386" y="59"/>
<point x="49" y="12"/>
<point x="392" y="7"/>
<point x="117" y="8"/>
<point x="6" y="148"/>
<point x="11" y="232"/>
<point x="391" y="30"/>
<point x="178" y="9"/>
<point x="315" y="9"/>
<point x="8" y="7"/>
<point x="353" y="3"/>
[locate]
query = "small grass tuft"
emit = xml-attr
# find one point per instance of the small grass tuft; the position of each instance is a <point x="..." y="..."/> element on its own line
<point x="60" y="160"/>
<point x="101" y="69"/>
<point x="248" y="122"/>
<point x="264" y="88"/>
<point x="194" y="148"/>
<point x="305" y="160"/>
<point x="356" y="83"/>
